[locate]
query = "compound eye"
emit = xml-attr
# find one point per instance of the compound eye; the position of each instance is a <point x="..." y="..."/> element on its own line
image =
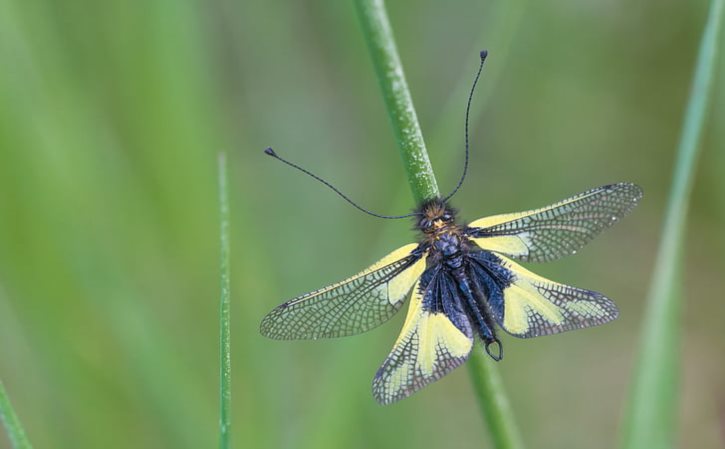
<point x="426" y="225"/>
<point x="447" y="217"/>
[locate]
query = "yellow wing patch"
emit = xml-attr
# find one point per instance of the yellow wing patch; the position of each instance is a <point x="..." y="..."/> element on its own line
<point x="535" y="306"/>
<point x="400" y="285"/>
<point x="429" y="346"/>
<point x="487" y="222"/>
<point x="355" y="305"/>
<point x="513" y="245"/>
<point x="521" y="303"/>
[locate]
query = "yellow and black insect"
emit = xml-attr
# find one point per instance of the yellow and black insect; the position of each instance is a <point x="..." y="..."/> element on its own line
<point x="461" y="281"/>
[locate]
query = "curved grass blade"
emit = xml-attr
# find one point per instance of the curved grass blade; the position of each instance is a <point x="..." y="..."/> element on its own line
<point x="652" y="410"/>
<point x="11" y="422"/>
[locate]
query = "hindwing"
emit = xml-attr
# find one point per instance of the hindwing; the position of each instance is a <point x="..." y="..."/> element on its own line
<point x="435" y="339"/>
<point x="527" y="305"/>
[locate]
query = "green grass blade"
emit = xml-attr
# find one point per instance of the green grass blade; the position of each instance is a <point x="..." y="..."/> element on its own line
<point x="225" y="377"/>
<point x="494" y="403"/>
<point x="650" y="420"/>
<point x="379" y="36"/>
<point x="11" y="422"/>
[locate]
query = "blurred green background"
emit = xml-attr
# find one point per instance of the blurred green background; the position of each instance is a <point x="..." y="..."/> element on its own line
<point x="111" y="117"/>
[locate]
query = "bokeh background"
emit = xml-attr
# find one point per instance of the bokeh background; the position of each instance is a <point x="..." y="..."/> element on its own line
<point x="111" y="117"/>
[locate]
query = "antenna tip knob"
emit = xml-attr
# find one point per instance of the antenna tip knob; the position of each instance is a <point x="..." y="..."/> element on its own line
<point x="484" y="53"/>
<point x="269" y="152"/>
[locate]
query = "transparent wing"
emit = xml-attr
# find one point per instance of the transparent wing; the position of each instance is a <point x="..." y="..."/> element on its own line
<point x="433" y="342"/>
<point x="558" y="230"/>
<point x="527" y="305"/>
<point x="355" y="305"/>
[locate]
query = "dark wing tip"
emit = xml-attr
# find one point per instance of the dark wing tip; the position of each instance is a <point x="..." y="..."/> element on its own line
<point x="637" y="190"/>
<point x="379" y="391"/>
<point x="627" y="193"/>
<point x="607" y="304"/>
<point x="634" y="190"/>
<point x="633" y="193"/>
<point x="269" y="327"/>
<point x="384" y="397"/>
<point x="266" y="326"/>
<point x="613" y="313"/>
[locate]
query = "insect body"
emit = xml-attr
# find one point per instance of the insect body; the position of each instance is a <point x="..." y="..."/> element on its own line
<point x="462" y="281"/>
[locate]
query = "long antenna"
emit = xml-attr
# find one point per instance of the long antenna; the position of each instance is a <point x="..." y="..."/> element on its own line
<point x="484" y="53"/>
<point x="270" y="152"/>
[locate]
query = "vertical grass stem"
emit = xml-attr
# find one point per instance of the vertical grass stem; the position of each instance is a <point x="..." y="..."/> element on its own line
<point x="379" y="36"/>
<point x="225" y="388"/>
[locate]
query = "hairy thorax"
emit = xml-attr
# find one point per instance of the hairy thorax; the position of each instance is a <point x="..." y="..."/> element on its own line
<point x="443" y="235"/>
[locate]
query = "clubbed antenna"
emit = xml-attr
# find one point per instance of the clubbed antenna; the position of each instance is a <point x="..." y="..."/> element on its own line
<point x="271" y="152"/>
<point x="484" y="53"/>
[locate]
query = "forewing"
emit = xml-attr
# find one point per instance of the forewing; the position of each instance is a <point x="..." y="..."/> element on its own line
<point x="527" y="305"/>
<point x="558" y="230"/>
<point x="435" y="339"/>
<point x="355" y="305"/>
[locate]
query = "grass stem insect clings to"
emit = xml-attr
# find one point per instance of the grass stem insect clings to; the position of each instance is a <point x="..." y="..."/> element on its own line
<point x="462" y="282"/>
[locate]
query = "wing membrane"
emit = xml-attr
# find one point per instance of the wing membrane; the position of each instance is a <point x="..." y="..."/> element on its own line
<point x="558" y="230"/>
<point x="355" y="305"/>
<point x="435" y="339"/>
<point x="527" y="305"/>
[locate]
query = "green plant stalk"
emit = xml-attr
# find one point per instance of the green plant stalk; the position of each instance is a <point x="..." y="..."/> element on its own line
<point x="225" y="378"/>
<point x="650" y="420"/>
<point x="379" y="36"/>
<point x="495" y="406"/>
<point x="11" y="422"/>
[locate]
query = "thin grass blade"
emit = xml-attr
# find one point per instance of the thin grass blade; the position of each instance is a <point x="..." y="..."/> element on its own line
<point x="225" y="356"/>
<point x="650" y="420"/>
<point x="12" y="424"/>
